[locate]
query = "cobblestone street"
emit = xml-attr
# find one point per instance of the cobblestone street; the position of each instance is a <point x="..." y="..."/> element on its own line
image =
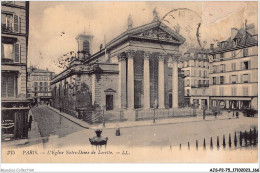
<point x="68" y="133"/>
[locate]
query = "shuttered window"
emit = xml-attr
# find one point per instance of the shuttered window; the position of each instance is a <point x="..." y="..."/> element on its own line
<point x="17" y="52"/>
<point x="8" y="84"/>
<point x="16" y="23"/>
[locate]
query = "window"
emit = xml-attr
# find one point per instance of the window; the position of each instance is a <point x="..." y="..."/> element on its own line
<point x="9" y="85"/>
<point x="40" y="83"/>
<point x="233" y="66"/>
<point x="35" y="89"/>
<point x="233" y="91"/>
<point x="187" y="82"/>
<point x="245" y="91"/>
<point x="215" y="69"/>
<point x="45" y="83"/>
<point x="245" y="52"/>
<point x="195" y="72"/>
<point x="221" y="56"/>
<point x="205" y="74"/>
<point x="245" y="78"/>
<point x="214" y="79"/>
<point x="35" y="83"/>
<point x="45" y="89"/>
<point x="11" y="52"/>
<point x="234" y="79"/>
<point x="222" y="79"/>
<point x="213" y="57"/>
<point x="11" y="23"/>
<point x="222" y="67"/>
<point x="40" y="88"/>
<point x="245" y="65"/>
<point x="199" y="73"/>
<point x="188" y="92"/>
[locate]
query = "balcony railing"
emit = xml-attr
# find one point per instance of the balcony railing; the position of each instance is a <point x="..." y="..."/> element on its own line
<point x="200" y="85"/>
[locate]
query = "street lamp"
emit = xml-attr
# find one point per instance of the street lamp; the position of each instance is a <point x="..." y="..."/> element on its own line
<point x="103" y="109"/>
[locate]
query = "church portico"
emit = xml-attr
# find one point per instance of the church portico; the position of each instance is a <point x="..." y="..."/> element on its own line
<point x="143" y="79"/>
<point x="139" y="60"/>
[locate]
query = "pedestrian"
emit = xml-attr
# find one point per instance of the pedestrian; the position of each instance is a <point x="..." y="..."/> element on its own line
<point x="30" y="122"/>
<point x="237" y="114"/>
<point x="215" y="113"/>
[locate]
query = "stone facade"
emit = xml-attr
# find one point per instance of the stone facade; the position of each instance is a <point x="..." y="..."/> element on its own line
<point x="132" y="71"/>
<point x="234" y="71"/>
<point x="14" y="46"/>
<point x="38" y="85"/>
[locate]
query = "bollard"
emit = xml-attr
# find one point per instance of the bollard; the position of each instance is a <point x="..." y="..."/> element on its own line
<point x="197" y="144"/>
<point x="204" y="144"/>
<point x="235" y="139"/>
<point x="188" y="145"/>
<point x="170" y="147"/>
<point x="245" y="137"/>
<point x="180" y="146"/>
<point x="240" y="138"/>
<point x="224" y="141"/>
<point x="229" y="141"/>
<point x="217" y="142"/>
<point x="211" y="143"/>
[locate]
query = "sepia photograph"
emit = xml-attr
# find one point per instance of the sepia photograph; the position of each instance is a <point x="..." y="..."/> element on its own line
<point x="129" y="82"/>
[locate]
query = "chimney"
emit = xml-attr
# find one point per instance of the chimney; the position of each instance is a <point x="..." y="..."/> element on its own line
<point x="233" y="33"/>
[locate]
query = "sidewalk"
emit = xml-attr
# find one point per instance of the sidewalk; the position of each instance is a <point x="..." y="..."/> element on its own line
<point x="129" y="124"/>
<point x="34" y="136"/>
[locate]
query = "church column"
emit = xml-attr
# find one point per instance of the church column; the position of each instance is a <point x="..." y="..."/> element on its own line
<point x="161" y="93"/>
<point x="130" y="79"/>
<point x="175" y="82"/>
<point x="146" y="80"/>
<point x="122" y="80"/>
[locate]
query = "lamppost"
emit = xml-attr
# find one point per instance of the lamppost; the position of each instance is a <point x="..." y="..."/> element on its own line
<point x="103" y="109"/>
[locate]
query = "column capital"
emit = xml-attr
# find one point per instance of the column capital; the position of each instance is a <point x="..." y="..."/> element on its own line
<point x="130" y="53"/>
<point x="121" y="56"/>
<point x="147" y="55"/>
<point x="162" y="56"/>
<point x="175" y="59"/>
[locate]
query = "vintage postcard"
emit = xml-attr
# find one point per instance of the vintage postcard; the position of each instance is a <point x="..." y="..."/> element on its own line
<point x="129" y="82"/>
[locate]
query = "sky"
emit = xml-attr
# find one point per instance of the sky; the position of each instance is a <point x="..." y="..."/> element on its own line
<point x="109" y="19"/>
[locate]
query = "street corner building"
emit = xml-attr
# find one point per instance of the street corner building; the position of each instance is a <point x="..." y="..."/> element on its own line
<point x="38" y="85"/>
<point x="137" y="70"/>
<point x="234" y="70"/>
<point x="14" y="44"/>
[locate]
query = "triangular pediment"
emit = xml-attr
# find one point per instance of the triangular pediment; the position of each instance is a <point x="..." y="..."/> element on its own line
<point x="159" y="32"/>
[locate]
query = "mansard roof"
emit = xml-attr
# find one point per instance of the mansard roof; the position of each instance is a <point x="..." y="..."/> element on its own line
<point x="241" y="40"/>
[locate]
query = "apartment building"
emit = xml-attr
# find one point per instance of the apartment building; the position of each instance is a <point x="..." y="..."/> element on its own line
<point x="195" y="66"/>
<point x="39" y="83"/>
<point x="234" y="70"/>
<point x="14" y="45"/>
